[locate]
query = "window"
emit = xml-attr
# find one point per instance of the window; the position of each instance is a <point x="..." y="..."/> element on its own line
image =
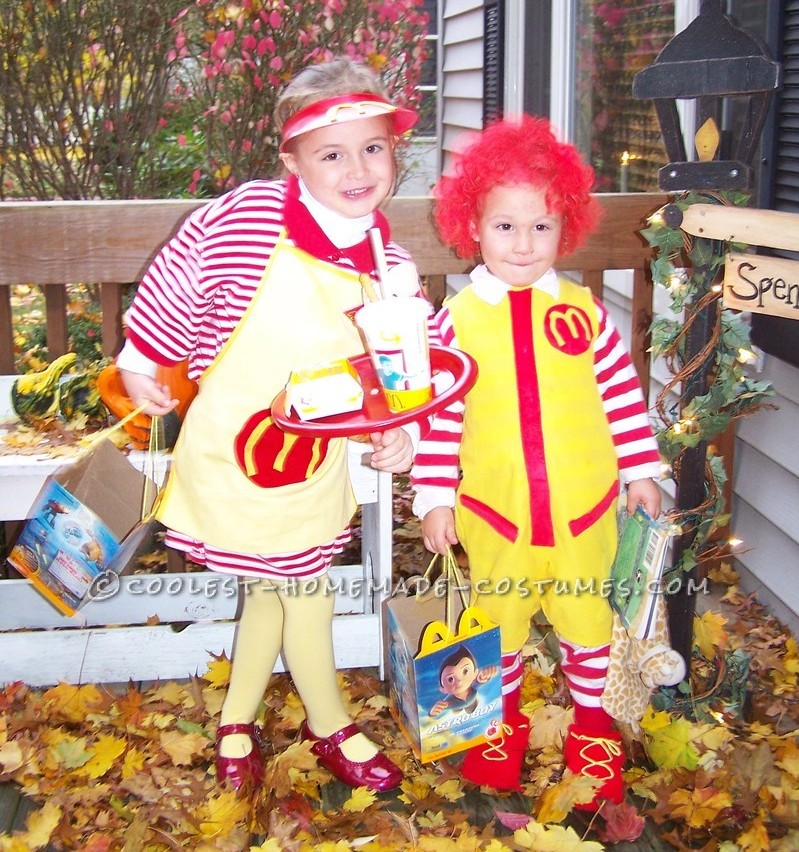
<point x="428" y="84"/>
<point x="619" y="135"/>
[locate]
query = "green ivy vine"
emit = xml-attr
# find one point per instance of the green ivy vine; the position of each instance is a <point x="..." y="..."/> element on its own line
<point x="691" y="270"/>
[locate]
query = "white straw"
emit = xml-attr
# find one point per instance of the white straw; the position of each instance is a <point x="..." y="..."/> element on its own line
<point x="380" y="260"/>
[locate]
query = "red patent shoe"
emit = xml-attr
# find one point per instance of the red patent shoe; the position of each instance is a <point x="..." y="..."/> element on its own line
<point x="378" y="773"/>
<point x="238" y="771"/>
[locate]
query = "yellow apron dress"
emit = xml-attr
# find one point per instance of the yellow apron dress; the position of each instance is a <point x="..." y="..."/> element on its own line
<point x="238" y="482"/>
<point x="535" y="508"/>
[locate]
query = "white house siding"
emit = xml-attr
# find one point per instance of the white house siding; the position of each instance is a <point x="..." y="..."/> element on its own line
<point x="461" y="45"/>
<point x="766" y="497"/>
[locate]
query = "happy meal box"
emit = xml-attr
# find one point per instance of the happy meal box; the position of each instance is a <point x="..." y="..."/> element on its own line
<point x="77" y="524"/>
<point x="445" y="684"/>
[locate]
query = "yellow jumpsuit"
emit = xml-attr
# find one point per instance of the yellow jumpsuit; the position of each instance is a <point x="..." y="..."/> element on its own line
<point x="535" y="508"/>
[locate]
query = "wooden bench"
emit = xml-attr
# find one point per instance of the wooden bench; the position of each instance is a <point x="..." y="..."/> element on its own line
<point x="108" y="244"/>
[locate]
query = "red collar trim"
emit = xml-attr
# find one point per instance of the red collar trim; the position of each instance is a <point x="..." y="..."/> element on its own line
<point x="306" y="234"/>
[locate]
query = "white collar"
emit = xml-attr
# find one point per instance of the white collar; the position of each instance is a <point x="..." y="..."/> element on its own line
<point x="340" y="230"/>
<point x="492" y="290"/>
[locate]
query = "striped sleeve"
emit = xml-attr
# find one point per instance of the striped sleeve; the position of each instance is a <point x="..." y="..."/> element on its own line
<point x="435" y="471"/>
<point x="624" y="404"/>
<point x="199" y="285"/>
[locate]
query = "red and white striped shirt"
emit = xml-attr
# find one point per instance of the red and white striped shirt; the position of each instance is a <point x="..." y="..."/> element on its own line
<point x="197" y="290"/>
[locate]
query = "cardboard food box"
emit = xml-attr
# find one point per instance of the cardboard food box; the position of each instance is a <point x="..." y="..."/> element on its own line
<point x="445" y="685"/>
<point x="324" y="390"/>
<point x="77" y="525"/>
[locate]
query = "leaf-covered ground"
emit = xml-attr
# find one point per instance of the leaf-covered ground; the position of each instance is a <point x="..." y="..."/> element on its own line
<point x="716" y="768"/>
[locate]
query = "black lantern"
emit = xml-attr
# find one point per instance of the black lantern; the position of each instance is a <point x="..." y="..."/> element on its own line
<point x="710" y="60"/>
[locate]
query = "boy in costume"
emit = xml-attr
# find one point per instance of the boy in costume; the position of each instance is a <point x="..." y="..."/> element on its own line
<point x="253" y="285"/>
<point x="525" y="472"/>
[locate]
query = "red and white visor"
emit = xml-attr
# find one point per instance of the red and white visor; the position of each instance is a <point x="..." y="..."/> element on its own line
<point x="342" y="108"/>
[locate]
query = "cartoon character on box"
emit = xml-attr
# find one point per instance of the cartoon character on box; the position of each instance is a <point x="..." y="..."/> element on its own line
<point x="254" y="284"/>
<point x="526" y="471"/>
<point x="460" y="680"/>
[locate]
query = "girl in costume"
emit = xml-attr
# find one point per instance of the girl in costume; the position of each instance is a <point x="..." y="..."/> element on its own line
<point x="253" y="285"/>
<point x="526" y="471"/>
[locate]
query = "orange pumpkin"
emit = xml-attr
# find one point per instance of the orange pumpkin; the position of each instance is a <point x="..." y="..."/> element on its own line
<point x="114" y="396"/>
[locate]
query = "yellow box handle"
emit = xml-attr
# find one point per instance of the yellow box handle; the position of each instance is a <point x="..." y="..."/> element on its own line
<point x="437" y="635"/>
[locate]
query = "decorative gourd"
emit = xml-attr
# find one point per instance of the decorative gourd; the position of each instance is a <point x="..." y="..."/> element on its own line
<point x="114" y="395"/>
<point x="35" y="396"/>
<point x="79" y="397"/>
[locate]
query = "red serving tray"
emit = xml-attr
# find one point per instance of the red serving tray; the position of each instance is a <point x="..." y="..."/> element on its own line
<point x="374" y="415"/>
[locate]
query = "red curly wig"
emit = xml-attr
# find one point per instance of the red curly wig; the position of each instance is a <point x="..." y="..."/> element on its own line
<point x="511" y="152"/>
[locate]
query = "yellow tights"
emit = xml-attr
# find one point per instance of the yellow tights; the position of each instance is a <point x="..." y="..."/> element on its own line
<point x="299" y="619"/>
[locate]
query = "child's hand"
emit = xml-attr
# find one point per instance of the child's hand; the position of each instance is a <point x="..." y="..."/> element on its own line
<point x="143" y="389"/>
<point x="646" y="493"/>
<point x="393" y="450"/>
<point x="439" y="707"/>
<point x="486" y="673"/>
<point x="438" y="529"/>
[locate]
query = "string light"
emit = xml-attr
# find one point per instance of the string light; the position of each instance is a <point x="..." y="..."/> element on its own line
<point x="746" y="356"/>
<point x="735" y="542"/>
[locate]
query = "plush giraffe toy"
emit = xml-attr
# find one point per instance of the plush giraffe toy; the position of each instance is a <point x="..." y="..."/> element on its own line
<point x="637" y="667"/>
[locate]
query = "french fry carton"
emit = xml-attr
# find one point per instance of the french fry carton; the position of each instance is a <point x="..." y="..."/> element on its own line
<point x="324" y="390"/>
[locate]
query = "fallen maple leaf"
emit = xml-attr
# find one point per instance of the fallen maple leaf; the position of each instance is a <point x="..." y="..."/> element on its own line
<point x="450" y="790"/>
<point x="218" y="672"/>
<point x="554" y="838"/>
<point x="672" y="747"/>
<point x="183" y="749"/>
<point x="170" y="692"/>
<point x="557" y="801"/>
<point x="360" y="799"/>
<point x="133" y="762"/>
<point x="71" y="752"/>
<point x="40" y="825"/>
<point x="709" y="633"/>
<point x="104" y="755"/>
<point x="293" y="711"/>
<point x="277" y="776"/>
<point x="548" y="726"/>
<point x="221" y="813"/>
<point x="73" y="703"/>
<point x="700" y="806"/>
<point x="622" y="823"/>
<point x="755" y="838"/>
<point x="10" y="758"/>
<point x="787" y="758"/>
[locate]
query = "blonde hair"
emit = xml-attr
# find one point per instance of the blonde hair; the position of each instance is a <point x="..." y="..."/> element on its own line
<point x="340" y="76"/>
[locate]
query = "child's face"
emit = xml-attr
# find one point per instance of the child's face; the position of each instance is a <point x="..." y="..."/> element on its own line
<point x="456" y="680"/>
<point x="518" y="236"/>
<point x="349" y="167"/>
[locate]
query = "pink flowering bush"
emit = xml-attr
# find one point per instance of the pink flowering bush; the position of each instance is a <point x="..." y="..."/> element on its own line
<point x="156" y="98"/>
<point x="235" y="58"/>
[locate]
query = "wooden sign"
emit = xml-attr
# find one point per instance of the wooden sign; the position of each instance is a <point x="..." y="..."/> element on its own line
<point x="752" y="282"/>
<point x="748" y="225"/>
<point x="763" y="285"/>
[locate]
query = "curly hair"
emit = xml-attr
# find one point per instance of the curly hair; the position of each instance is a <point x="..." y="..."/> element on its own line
<point x="514" y="152"/>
